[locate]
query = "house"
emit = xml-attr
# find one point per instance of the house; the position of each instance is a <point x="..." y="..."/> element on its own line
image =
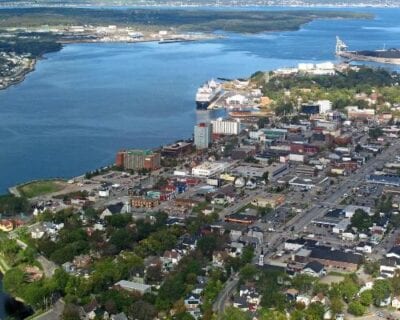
<point x="119" y="316"/>
<point x="248" y="298"/>
<point x="6" y="225"/>
<point x="171" y="258"/>
<point x="69" y="267"/>
<point x="319" y="298"/>
<point x="251" y="294"/>
<point x="113" y="209"/>
<point x="82" y="261"/>
<point x="52" y="228"/>
<point x="38" y="232"/>
<point x="188" y="242"/>
<point x="292" y="294"/>
<point x="240" y="303"/>
<point x="218" y="258"/>
<point x="364" y="247"/>
<point x="303" y="299"/>
<point x="236" y="249"/>
<point x="198" y="288"/>
<point x="394" y="252"/>
<point x="192" y="302"/>
<point x="133" y="286"/>
<point x="88" y="311"/>
<point x="389" y="266"/>
<point x="396" y="303"/>
<point x="314" y="269"/>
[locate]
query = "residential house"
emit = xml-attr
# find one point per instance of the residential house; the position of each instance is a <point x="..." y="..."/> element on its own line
<point x="394" y="252"/>
<point x="170" y="259"/>
<point x="236" y="249"/>
<point x="119" y="316"/>
<point x="6" y="225"/>
<point x="292" y="294"/>
<point x="192" y="304"/>
<point x="314" y="269"/>
<point x="218" y="258"/>
<point x="303" y="299"/>
<point x="319" y="298"/>
<point x="114" y="209"/>
<point x="396" y="303"/>
<point x="389" y="266"/>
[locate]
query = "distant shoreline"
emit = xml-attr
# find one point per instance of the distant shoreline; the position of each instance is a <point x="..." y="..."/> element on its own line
<point x="19" y="5"/>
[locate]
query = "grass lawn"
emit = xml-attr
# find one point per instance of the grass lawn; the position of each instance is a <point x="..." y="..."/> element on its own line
<point x="38" y="188"/>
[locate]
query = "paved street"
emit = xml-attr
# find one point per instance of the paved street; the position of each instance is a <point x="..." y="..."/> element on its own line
<point x="223" y="297"/>
<point x="54" y="313"/>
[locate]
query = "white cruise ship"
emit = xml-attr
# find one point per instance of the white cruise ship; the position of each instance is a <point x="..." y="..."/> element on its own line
<point x="207" y="94"/>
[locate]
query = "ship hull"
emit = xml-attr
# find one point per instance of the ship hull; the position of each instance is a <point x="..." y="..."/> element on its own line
<point x="202" y="105"/>
<point x="352" y="55"/>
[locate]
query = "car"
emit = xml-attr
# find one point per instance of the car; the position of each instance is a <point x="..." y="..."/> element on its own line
<point x="380" y="314"/>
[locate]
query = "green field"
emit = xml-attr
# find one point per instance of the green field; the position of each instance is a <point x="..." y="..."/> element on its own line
<point x="37" y="188"/>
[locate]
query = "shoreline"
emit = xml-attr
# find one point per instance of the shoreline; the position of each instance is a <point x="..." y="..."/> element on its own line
<point x="22" y="76"/>
<point x="19" y="78"/>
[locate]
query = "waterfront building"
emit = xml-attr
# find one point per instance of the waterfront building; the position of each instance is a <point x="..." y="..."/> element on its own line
<point x="138" y="159"/>
<point x="225" y="127"/>
<point x="202" y="135"/>
<point x="177" y="150"/>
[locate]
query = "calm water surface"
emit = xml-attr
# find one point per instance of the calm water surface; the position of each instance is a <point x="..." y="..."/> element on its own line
<point x="87" y="101"/>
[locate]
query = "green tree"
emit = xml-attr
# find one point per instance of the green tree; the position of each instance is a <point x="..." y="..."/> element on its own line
<point x="395" y="282"/>
<point x="315" y="311"/>
<point x="248" y="272"/>
<point x="366" y="298"/>
<point x="375" y="133"/>
<point x="71" y="312"/>
<point x="348" y="290"/>
<point x="336" y="305"/>
<point x="142" y="310"/>
<point x="372" y="267"/>
<point x="247" y="254"/>
<point x="272" y="315"/>
<point x="381" y="290"/>
<point x="232" y="313"/>
<point x="303" y="282"/>
<point x="356" y="308"/>
<point x="297" y="315"/>
<point x="361" y="220"/>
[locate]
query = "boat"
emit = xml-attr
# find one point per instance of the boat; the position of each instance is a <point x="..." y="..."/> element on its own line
<point x="391" y="56"/>
<point x="207" y="94"/>
<point x="174" y="40"/>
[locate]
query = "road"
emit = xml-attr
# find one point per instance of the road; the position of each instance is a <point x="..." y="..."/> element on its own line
<point x="54" y="313"/>
<point x="48" y="266"/>
<point x="223" y="296"/>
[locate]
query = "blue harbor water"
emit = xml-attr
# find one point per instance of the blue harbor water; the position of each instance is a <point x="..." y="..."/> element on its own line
<point x="87" y="101"/>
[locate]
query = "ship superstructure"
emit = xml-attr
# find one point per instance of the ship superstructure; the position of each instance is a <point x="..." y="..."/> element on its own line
<point x="207" y="94"/>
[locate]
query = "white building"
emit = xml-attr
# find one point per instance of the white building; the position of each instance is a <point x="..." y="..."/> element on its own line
<point x="325" y="106"/>
<point x="225" y="127"/>
<point x="351" y="209"/>
<point x="207" y="169"/>
<point x="202" y="135"/>
<point x="237" y="99"/>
